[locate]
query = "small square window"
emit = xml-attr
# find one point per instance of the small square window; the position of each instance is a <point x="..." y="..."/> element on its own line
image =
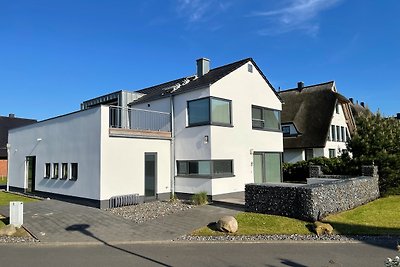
<point x="47" y="170"/>
<point x="250" y="68"/>
<point x="332" y="153"/>
<point x="74" y="171"/>
<point x="64" y="170"/>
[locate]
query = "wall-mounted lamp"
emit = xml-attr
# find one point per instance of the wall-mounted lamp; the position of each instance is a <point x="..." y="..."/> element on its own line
<point x="205" y="139"/>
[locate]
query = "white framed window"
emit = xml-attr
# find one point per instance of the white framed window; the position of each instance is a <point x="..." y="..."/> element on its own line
<point x="64" y="170"/>
<point x="56" y="172"/>
<point x="332" y="153"/>
<point x="47" y="170"/>
<point x="74" y="171"/>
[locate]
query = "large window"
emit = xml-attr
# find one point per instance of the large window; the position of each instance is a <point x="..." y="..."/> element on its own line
<point x="210" y="110"/>
<point x="338" y="133"/>
<point x="342" y="134"/>
<point x="309" y="153"/>
<point x="265" y="119"/>
<point x="205" y="168"/>
<point x="333" y="132"/>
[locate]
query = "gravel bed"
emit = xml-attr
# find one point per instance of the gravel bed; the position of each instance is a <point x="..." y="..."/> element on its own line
<point x="293" y="237"/>
<point x="11" y="239"/>
<point x="151" y="210"/>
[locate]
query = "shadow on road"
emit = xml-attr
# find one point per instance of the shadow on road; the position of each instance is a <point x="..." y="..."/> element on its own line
<point x="83" y="228"/>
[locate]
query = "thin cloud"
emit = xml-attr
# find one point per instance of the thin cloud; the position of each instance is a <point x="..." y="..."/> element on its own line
<point x="200" y="10"/>
<point x="297" y="15"/>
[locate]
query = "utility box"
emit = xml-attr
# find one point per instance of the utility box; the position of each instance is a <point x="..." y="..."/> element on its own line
<point x="16" y="213"/>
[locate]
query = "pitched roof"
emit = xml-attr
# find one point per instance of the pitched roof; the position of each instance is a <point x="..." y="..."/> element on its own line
<point x="311" y="111"/>
<point x="358" y="110"/>
<point x="186" y="84"/>
<point x="6" y="124"/>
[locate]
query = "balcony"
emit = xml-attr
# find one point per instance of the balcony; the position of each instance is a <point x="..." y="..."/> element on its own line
<point x="132" y="122"/>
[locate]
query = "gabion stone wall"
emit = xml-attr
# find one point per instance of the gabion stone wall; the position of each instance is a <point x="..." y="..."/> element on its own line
<point x="311" y="202"/>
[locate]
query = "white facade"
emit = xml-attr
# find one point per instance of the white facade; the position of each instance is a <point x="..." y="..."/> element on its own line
<point x="107" y="166"/>
<point x="111" y="162"/>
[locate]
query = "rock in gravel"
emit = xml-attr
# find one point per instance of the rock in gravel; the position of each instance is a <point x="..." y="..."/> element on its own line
<point x="323" y="228"/>
<point x="227" y="224"/>
<point x="8" y="230"/>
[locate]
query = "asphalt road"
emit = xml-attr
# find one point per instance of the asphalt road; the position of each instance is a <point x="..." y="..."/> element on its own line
<point x="198" y="254"/>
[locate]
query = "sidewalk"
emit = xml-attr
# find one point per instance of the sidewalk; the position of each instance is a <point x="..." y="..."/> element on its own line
<point x="53" y="221"/>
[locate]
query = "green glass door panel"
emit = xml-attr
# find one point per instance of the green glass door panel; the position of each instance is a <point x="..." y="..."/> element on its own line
<point x="258" y="168"/>
<point x="272" y="169"/>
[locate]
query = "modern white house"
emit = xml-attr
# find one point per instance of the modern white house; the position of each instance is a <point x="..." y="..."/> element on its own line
<point x="214" y="131"/>
<point x="316" y="122"/>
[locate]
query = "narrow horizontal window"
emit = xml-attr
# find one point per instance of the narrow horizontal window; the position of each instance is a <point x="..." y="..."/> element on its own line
<point x="205" y="168"/>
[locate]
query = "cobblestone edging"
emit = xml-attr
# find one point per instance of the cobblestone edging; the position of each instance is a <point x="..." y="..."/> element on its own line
<point x="294" y="237"/>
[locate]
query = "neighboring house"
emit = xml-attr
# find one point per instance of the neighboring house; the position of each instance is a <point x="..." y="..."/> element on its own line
<point x="359" y="110"/>
<point x="213" y="132"/>
<point x="316" y="122"/>
<point x="7" y="123"/>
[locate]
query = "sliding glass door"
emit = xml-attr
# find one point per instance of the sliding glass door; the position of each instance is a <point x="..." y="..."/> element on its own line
<point x="267" y="167"/>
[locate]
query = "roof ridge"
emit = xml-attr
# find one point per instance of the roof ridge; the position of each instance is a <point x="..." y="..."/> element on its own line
<point x="305" y="87"/>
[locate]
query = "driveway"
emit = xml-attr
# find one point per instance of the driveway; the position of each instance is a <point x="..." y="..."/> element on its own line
<point x="61" y="222"/>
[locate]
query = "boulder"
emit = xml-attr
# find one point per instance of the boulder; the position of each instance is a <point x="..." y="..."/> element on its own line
<point x="227" y="224"/>
<point x="8" y="230"/>
<point x="323" y="228"/>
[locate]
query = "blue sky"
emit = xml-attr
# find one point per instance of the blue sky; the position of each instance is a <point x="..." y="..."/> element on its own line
<point x="56" y="54"/>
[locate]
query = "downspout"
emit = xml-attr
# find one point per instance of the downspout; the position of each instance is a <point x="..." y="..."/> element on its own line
<point x="171" y="97"/>
<point x="8" y="168"/>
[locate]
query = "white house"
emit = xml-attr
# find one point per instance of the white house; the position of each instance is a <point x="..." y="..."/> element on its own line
<point x="316" y="122"/>
<point x="214" y="131"/>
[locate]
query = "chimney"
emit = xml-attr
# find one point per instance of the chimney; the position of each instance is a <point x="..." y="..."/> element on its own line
<point x="300" y="86"/>
<point x="11" y="115"/>
<point x="351" y="100"/>
<point x="362" y="104"/>
<point x="203" y="66"/>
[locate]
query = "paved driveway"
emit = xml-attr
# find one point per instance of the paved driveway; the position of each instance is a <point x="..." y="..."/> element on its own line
<point x="57" y="221"/>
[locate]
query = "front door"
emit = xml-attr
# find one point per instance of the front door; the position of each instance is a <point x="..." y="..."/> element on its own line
<point x="30" y="170"/>
<point x="150" y="175"/>
<point x="267" y="167"/>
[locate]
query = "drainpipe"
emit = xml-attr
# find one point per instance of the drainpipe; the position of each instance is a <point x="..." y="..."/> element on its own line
<point x="171" y="97"/>
<point x="8" y="167"/>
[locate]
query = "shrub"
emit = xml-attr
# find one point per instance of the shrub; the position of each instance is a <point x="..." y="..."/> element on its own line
<point x="200" y="198"/>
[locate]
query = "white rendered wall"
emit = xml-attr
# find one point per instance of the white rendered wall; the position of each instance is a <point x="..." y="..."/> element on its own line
<point x="293" y="155"/>
<point x="73" y="138"/>
<point x="122" y="168"/>
<point x="193" y="185"/>
<point x="337" y="120"/>
<point x="244" y="89"/>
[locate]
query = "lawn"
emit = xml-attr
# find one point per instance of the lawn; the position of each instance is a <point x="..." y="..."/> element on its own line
<point x="3" y="180"/>
<point x="5" y="198"/>
<point x="380" y="217"/>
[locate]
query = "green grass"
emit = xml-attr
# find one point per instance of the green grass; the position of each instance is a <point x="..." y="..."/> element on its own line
<point x="5" y="198"/>
<point x="379" y="217"/>
<point x="255" y="223"/>
<point x="3" y="180"/>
